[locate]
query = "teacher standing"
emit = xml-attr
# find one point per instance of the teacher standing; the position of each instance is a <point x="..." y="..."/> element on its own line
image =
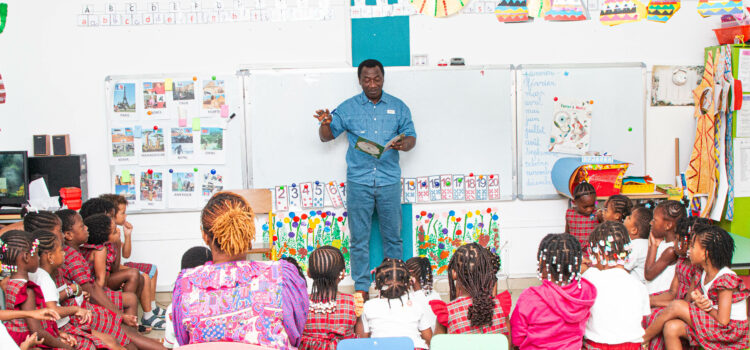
<point x="373" y="185"/>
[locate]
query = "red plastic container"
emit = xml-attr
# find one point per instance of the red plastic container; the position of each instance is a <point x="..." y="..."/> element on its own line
<point x="726" y="35"/>
<point x="73" y="204"/>
<point x="70" y="193"/>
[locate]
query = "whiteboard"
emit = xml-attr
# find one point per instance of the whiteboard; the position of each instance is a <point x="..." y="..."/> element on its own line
<point x="464" y="118"/>
<point x="228" y="165"/>
<point x="618" y="92"/>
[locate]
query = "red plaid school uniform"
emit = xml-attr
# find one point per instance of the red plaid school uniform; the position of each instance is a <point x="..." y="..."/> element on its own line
<point x="76" y="267"/>
<point x="580" y="226"/>
<point x="102" y="320"/>
<point x="142" y="267"/>
<point x="459" y="323"/>
<point x="88" y="249"/>
<point x="687" y="274"/>
<point x="324" y="331"/>
<point x="82" y="334"/>
<point x="709" y="333"/>
<point x="16" y="293"/>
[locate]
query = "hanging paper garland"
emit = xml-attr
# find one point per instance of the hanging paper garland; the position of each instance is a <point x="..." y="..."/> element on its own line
<point x="512" y="11"/>
<point x="616" y="12"/>
<point x="565" y="10"/>
<point x="438" y="8"/>
<point x="717" y="8"/>
<point x="3" y="15"/>
<point x="662" y="10"/>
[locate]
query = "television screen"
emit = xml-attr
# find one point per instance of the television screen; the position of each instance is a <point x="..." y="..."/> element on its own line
<point x="13" y="178"/>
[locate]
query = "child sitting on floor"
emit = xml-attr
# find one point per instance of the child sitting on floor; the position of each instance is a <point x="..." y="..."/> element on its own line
<point x="616" y="208"/>
<point x="580" y="219"/>
<point x="661" y="258"/>
<point x="31" y="341"/>
<point x="395" y="313"/>
<point x="472" y="278"/>
<point x="331" y="317"/>
<point x="554" y="315"/>
<point x="19" y="254"/>
<point x="50" y="259"/>
<point x="717" y="317"/>
<point x="621" y="300"/>
<point x="103" y="253"/>
<point x="420" y="270"/>
<point x="638" y="224"/>
<point x="149" y="270"/>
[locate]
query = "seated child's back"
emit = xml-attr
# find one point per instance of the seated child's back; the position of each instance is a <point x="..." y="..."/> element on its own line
<point x="554" y="315"/>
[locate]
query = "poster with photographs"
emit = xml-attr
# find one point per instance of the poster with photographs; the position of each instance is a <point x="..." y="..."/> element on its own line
<point x="152" y="148"/>
<point x="124" y="100"/>
<point x="151" y="189"/>
<point x="214" y="96"/>
<point x="182" y="188"/>
<point x="182" y="145"/>
<point x="183" y="91"/>
<point x="122" y="145"/>
<point x="154" y="100"/>
<point x="124" y="183"/>
<point x="211" y="150"/>
<point x="212" y="182"/>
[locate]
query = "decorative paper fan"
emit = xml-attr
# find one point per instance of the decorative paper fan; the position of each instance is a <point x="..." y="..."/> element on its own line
<point x="616" y="12"/>
<point x="438" y="8"/>
<point x="512" y="11"/>
<point x="662" y="10"/>
<point x="565" y="10"/>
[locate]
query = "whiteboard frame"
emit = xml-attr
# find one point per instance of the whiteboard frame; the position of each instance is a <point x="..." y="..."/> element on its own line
<point x="247" y="71"/>
<point x="521" y="67"/>
<point x="110" y="78"/>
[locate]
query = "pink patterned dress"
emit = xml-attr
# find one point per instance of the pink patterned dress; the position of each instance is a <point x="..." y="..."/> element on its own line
<point x="255" y="302"/>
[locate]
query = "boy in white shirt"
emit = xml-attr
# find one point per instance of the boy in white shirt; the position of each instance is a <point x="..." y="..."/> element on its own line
<point x="638" y="224"/>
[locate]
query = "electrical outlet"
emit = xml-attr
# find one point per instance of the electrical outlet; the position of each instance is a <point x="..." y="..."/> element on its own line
<point x="419" y="60"/>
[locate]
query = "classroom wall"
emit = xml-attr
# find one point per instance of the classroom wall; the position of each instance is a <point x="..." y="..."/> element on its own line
<point x="54" y="75"/>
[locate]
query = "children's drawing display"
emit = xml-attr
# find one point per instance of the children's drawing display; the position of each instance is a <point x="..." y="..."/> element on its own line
<point x="571" y="110"/>
<point x="174" y="140"/>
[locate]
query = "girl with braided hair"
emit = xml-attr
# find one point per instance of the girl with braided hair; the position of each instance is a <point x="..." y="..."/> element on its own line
<point x="621" y="300"/>
<point x="563" y="292"/>
<point x="685" y="278"/>
<point x="661" y="257"/>
<point x="472" y="278"/>
<point x="717" y="316"/>
<point x="331" y="317"/>
<point x="616" y="208"/>
<point x="396" y="312"/>
<point x="257" y="302"/>
<point x="75" y="320"/>
<point x="20" y="254"/>
<point x="580" y="219"/>
<point x="420" y="270"/>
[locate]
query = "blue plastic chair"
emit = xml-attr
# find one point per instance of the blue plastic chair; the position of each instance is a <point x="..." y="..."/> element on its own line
<point x="477" y="341"/>
<point x="400" y="343"/>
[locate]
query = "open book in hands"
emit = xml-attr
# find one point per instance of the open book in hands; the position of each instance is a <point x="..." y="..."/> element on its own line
<point x="373" y="148"/>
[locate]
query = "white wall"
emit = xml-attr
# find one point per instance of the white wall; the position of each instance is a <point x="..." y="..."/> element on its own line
<point x="54" y="73"/>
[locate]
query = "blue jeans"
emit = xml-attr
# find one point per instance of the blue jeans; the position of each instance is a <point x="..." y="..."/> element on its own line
<point x="362" y="200"/>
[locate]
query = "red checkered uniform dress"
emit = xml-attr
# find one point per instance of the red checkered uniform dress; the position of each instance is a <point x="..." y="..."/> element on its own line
<point x="686" y="274"/>
<point x="76" y="270"/>
<point x="709" y="333"/>
<point x="580" y="226"/>
<point x="455" y="317"/>
<point x="142" y="267"/>
<point x="324" y="331"/>
<point x="80" y="265"/>
<point x="16" y="293"/>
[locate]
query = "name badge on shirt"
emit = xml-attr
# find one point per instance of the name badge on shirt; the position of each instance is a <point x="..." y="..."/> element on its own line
<point x="391" y="111"/>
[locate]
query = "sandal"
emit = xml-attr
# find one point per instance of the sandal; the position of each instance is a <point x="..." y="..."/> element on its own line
<point x="159" y="312"/>
<point x="154" y="322"/>
<point x="143" y="329"/>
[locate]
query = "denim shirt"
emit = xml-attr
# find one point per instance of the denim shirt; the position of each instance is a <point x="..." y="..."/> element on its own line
<point x="380" y="122"/>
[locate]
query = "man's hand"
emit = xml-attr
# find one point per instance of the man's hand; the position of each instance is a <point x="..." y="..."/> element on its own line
<point x="323" y="116"/>
<point x="398" y="144"/>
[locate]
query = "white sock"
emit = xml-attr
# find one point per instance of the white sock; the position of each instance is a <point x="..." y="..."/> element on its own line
<point x="153" y="305"/>
<point x="147" y="315"/>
